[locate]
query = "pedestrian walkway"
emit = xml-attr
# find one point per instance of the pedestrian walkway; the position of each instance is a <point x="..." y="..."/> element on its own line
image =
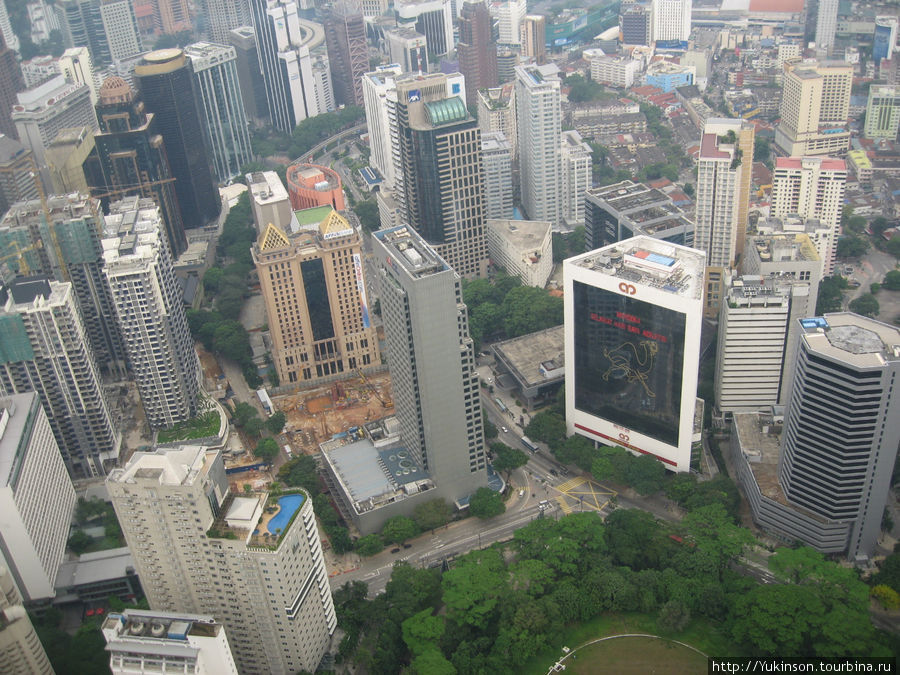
<point x="564" y="504"/>
<point x="585" y="493"/>
<point x="572" y="482"/>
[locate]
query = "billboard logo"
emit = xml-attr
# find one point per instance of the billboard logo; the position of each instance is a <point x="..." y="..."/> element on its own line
<point x="629" y="289"/>
<point x="415" y="95"/>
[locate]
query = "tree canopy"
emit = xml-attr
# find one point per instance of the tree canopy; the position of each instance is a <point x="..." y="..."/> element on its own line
<point x="486" y="503"/>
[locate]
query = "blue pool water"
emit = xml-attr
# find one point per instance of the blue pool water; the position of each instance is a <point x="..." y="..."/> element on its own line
<point x="289" y="505"/>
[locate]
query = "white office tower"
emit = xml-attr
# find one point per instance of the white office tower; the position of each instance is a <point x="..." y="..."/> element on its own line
<point x="150" y="312"/>
<point x="21" y="652"/>
<point x="295" y="86"/>
<point x="432" y="18"/>
<point x="633" y="312"/>
<point x="269" y="201"/>
<point x="75" y="65"/>
<point x="509" y="15"/>
<point x="166" y="642"/>
<point x="215" y="73"/>
<point x="826" y="24"/>
<point x="840" y="431"/>
<point x="43" y="19"/>
<point x="498" y="189"/>
<point x="432" y="361"/>
<point x="882" y="112"/>
<point x="378" y="87"/>
<point x="9" y="37"/>
<point x="121" y="29"/>
<point x="44" y="348"/>
<point x="815" y="108"/>
<point x="199" y="547"/>
<point x="36" y="497"/>
<point x="671" y="20"/>
<point x="575" y="172"/>
<point x="539" y="125"/>
<point x="407" y="47"/>
<point x="497" y="113"/>
<point x="223" y="16"/>
<point x="811" y="188"/>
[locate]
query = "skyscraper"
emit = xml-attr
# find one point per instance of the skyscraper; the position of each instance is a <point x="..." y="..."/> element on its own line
<point x="432" y="18"/>
<point x="131" y="156"/>
<point x="636" y="22"/>
<point x="497" y="113"/>
<point x="171" y="16"/>
<point x="812" y="187"/>
<point x="826" y="24"/>
<point x="18" y="173"/>
<point x="164" y="80"/>
<point x="440" y="158"/>
<point x="149" y="310"/>
<point x="120" y="27"/>
<point x="841" y="434"/>
<point x="377" y="87"/>
<point x="534" y="39"/>
<point x="11" y="83"/>
<point x="253" y="87"/>
<point x="723" y="196"/>
<point x="36" y="496"/>
<point x="348" y="51"/>
<point x="75" y="65"/>
<point x="575" y="177"/>
<point x="632" y="326"/>
<point x="882" y="112"/>
<point x="6" y="32"/>
<point x="21" y="652"/>
<point x="408" y="48"/>
<point x="671" y="20"/>
<point x="498" y="188"/>
<point x="108" y="28"/>
<point x="509" y="15"/>
<point x="539" y="125"/>
<point x="476" y="49"/>
<point x="222" y="107"/>
<point x="204" y="549"/>
<point x="315" y="294"/>
<point x="815" y="108"/>
<point x="432" y="361"/>
<point x="224" y="16"/>
<point x="44" y="348"/>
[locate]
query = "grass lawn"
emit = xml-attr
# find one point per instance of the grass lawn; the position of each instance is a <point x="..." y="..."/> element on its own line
<point x="700" y="633"/>
<point x="201" y="426"/>
<point x="636" y="655"/>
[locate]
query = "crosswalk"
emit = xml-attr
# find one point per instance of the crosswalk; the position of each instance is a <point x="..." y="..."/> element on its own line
<point x="582" y="492"/>
<point x="564" y="504"/>
<point x="571" y="483"/>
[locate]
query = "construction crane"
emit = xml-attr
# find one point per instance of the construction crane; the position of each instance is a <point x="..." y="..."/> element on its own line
<point x="24" y="268"/>
<point x="51" y="226"/>
<point x="129" y="188"/>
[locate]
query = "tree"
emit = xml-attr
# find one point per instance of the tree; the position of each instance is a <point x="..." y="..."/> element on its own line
<point x="892" y="280"/>
<point x="474" y="587"/>
<point x="80" y="541"/>
<point x="398" y="529"/>
<point x="714" y="532"/>
<point x="254" y="426"/>
<point x="211" y="280"/>
<point x="547" y="427"/>
<point x="490" y="429"/>
<point x="486" y="503"/>
<point x="830" y="294"/>
<point x="369" y="545"/>
<point x="851" y="247"/>
<point x="528" y="309"/>
<point x="689" y="190"/>
<point x="423" y="631"/>
<point x="674" y="616"/>
<point x="776" y="619"/>
<point x="507" y="459"/>
<point x="634" y="539"/>
<point x="266" y="449"/>
<point x="301" y="471"/>
<point x="275" y="423"/>
<point x="893" y="246"/>
<point x="367" y="212"/>
<point x="887" y="597"/>
<point x="866" y="305"/>
<point x="762" y="151"/>
<point x="432" y="514"/>
<point x="645" y="474"/>
<point x="243" y="413"/>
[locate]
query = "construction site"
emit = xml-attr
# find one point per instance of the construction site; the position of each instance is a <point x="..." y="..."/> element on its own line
<point x="335" y="409"/>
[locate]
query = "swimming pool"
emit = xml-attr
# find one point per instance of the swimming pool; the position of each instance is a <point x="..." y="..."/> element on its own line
<point x="289" y="505"/>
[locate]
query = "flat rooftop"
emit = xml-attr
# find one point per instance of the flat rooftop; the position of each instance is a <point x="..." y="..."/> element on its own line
<point x="534" y="357"/>
<point x="13" y="415"/>
<point x="650" y="262"/>
<point x="785" y="247"/>
<point x="92" y="568"/>
<point x="524" y="235"/>
<point x="628" y="197"/>
<point x="853" y="339"/>
<point x="828" y="163"/>
<point x="411" y="252"/>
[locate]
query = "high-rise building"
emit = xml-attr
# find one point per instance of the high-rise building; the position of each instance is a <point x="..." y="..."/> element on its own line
<point x="18" y="174"/>
<point x="882" y="112"/>
<point x="523" y="248"/>
<point x="432" y="361"/>
<point x="507" y="60"/>
<point x="60" y="237"/>
<point x="407" y="48"/>
<point x="813" y="188"/>
<point x="815" y="107"/>
<point x="632" y="325"/>
<point x="36" y="496"/>
<point x="203" y="548"/>
<point x="222" y="107"/>
<point x="440" y="159"/>
<point x="108" y="28"/>
<point x="671" y="20"/>
<point x="575" y="177"/>
<point x="476" y="48"/>
<point x="840" y="431"/>
<point x="722" y="199"/>
<point x="348" y="51"/>
<point x="315" y="293"/>
<point x="44" y="348"/>
<point x="539" y="125"/>
<point x="269" y="201"/>
<point x="295" y="87"/>
<point x="636" y="24"/>
<point x="432" y="18"/>
<point x="534" y="40"/>
<point x="826" y="24"/>
<point x="150" y="313"/>
<point x="164" y="80"/>
<point x="253" y="87"/>
<point x="497" y="114"/>
<point x="509" y="15"/>
<point x="885" y="39"/>
<point x="75" y="65"/>
<point x="378" y="87"/>
<point x="132" y="156"/>
<point x="11" y="83"/>
<point x="43" y="111"/>
<point x="160" y="642"/>
<point x="498" y="188"/>
<point x="6" y="31"/>
<point x="171" y="16"/>
<point x="21" y="652"/>
<point x="120" y="26"/>
<point x="224" y="16"/>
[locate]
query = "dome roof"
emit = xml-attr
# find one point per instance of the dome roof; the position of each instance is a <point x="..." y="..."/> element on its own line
<point x="115" y="90"/>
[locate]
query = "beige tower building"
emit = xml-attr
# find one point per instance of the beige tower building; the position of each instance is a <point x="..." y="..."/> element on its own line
<point x="199" y="548"/>
<point x="534" y="28"/>
<point x="315" y="293"/>
<point x="815" y="108"/>
<point x="21" y="652"/>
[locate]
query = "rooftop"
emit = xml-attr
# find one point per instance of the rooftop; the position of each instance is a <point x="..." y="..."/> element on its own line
<point x="13" y="417"/>
<point x="536" y="358"/>
<point x="785" y="247"/>
<point x="11" y="149"/>
<point x="524" y="235"/>
<point x="180" y="466"/>
<point x="852" y="339"/>
<point x="411" y="252"/>
<point x="266" y="187"/>
<point x="142" y="628"/>
<point x="92" y="568"/>
<point x="826" y="163"/>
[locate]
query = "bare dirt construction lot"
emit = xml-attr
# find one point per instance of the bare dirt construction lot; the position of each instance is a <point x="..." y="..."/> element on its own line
<point x="315" y="415"/>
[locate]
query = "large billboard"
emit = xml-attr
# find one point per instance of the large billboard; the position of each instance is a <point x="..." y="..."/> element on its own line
<point x="629" y="359"/>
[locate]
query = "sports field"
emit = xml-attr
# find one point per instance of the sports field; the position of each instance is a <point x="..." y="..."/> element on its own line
<point x="637" y="655"/>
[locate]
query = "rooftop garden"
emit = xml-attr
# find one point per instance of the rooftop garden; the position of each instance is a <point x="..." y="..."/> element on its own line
<point x="204" y="425"/>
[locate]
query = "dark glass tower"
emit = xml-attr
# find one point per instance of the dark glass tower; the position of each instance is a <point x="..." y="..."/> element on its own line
<point x="131" y="157"/>
<point x="348" y="53"/>
<point x="166" y="86"/>
<point x="477" y="49"/>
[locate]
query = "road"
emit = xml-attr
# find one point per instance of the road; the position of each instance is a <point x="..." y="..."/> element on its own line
<point x="871" y="269"/>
